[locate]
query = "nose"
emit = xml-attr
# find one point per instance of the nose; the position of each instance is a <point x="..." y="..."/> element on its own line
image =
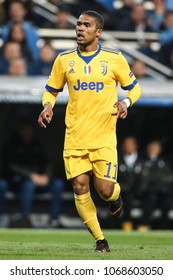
<point x="80" y="27"/>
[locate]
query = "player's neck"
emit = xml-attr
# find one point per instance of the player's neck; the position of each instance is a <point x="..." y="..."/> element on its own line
<point x="88" y="48"/>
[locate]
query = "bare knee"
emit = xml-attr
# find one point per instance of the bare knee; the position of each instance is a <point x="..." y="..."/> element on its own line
<point x="105" y="193"/>
<point x="104" y="188"/>
<point x="81" y="184"/>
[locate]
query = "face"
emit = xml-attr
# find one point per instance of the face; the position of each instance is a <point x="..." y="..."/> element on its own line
<point x="17" y="33"/>
<point x="169" y="20"/>
<point x="17" y="12"/>
<point x="138" y="13"/>
<point x="87" y="31"/>
<point x="154" y="148"/>
<point x="47" y="53"/>
<point x="12" y="50"/>
<point x="17" y="67"/>
<point x="139" y="69"/>
<point x="130" y="145"/>
<point x="62" y="19"/>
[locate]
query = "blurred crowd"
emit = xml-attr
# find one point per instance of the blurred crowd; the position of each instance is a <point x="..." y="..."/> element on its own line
<point x="146" y="179"/>
<point x="23" y="53"/>
<point x="27" y="171"/>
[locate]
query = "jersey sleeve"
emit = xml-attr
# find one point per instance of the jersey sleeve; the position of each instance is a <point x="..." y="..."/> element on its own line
<point x="134" y="94"/>
<point x="57" y="77"/>
<point x="124" y="74"/>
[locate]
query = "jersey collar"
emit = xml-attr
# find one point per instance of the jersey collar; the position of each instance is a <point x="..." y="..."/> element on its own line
<point x="87" y="59"/>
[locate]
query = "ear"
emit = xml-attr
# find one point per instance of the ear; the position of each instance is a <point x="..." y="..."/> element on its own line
<point x="98" y="33"/>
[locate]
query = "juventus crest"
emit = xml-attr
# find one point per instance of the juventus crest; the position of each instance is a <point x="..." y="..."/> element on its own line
<point x="104" y="66"/>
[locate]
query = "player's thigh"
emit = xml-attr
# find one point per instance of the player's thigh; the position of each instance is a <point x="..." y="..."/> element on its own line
<point x="105" y="164"/>
<point x="76" y="165"/>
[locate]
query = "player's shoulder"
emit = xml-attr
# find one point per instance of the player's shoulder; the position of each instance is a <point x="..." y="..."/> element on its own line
<point x="110" y="50"/>
<point x="67" y="52"/>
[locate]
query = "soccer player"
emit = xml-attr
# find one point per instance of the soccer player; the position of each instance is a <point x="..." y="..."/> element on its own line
<point x="92" y="73"/>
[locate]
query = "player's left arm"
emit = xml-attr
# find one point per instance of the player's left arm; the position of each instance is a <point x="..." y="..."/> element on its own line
<point x="132" y="96"/>
<point x="128" y="82"/>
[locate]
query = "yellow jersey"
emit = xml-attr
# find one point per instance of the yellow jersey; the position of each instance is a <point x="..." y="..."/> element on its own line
<point x="92" y="80"/>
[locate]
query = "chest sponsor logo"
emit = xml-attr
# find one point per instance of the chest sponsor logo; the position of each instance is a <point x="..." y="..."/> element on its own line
<point x="98" y="86"/>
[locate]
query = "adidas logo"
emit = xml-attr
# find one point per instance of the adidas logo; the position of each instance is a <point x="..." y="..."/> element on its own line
<point x="71" y="71"/>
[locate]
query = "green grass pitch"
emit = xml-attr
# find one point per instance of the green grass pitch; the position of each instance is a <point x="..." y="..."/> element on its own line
<point x="78" y="244"/>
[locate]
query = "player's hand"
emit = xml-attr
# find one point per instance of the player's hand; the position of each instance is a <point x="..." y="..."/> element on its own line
<point x="45" y="116"/>
<point x="121" y="109"/>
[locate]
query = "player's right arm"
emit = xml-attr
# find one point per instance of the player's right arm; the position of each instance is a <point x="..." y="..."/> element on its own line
<point x="48" y="102"/>
<point x="46" y="115"/>
<point x="55" y="85"/>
